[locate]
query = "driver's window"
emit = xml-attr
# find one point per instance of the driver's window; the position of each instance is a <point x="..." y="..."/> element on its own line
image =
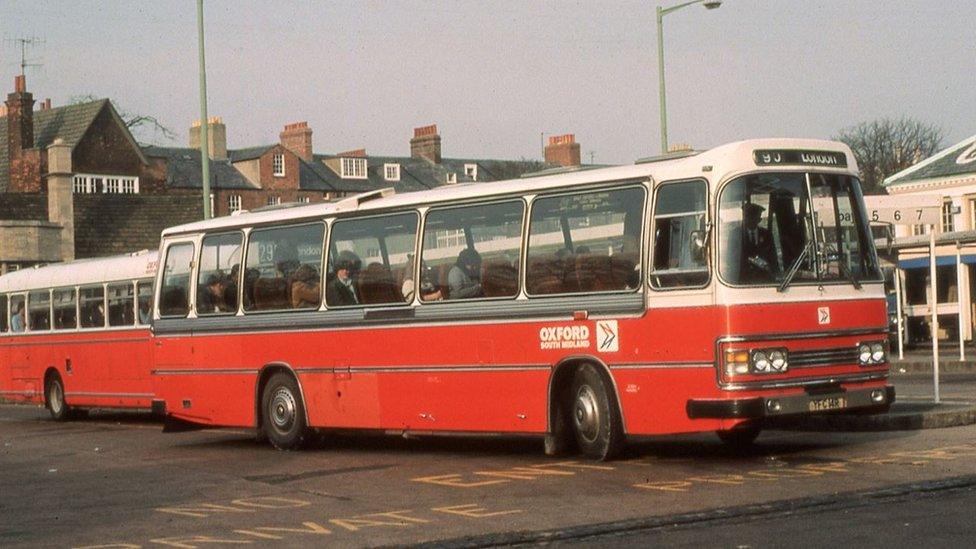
<point x="680" y="235"/>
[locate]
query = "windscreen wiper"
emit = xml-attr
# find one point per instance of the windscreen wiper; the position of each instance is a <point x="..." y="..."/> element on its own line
<point x="795" y="267"/>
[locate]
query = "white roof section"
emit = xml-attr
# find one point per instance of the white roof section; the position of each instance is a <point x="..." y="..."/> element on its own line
<point x="724" y="161"/>
<point x="132" y="266"/>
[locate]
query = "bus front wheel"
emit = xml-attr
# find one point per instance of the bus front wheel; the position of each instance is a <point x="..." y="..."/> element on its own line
<point x="594" y="416"/>
<point x="283" y="413"/>
<point x="55" y="399"/>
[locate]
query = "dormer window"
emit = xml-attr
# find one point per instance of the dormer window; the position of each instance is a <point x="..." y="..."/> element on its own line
<point x="353" y="168"/>
<point x="391" y="172"/>
<point x="278" y="165"/>
<point x="451" y="178"/>
<point x="471" y="171"/>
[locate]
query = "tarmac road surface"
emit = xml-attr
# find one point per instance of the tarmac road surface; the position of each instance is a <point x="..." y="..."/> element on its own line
<point x="116" y="480"/>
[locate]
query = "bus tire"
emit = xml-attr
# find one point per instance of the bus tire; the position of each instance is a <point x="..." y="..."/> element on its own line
<point x="283" y="413"/>
<point x="594" y="415"/>
<point x="740" y="437"/>
<point x="54" y="395"/>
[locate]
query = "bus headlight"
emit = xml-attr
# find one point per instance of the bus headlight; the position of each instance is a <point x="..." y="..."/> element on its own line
<point x="864" y="353"/>
<point x="760" y="362"/>
<point x="877" y="352"/>
<point x="778" y="359"/>
<point x="871" y="353"/>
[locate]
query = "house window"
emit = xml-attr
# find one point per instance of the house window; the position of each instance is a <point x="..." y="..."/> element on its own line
<point x="234" y="203"/>
<point x="451" y="178"/>
<point x="353" y="168"/>
<point x="919" y="230"/>
<point x="471" y="171"/>
<point x="947" y="225"/>
<point x="278" y="165"/>
<point x="116" y="184"/>
<point x="391" y="172"/>
<point x="274" y="200"/>
<point x="303" y="200"/>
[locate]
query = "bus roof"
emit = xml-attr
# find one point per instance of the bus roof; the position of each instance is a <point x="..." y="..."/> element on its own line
<point x="723" y="160"/>
<point x="132" y="266"/>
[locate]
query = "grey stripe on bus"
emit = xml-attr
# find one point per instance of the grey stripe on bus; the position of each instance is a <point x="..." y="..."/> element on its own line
<point x="428" y="369"/>
<point x="453" y="314"/>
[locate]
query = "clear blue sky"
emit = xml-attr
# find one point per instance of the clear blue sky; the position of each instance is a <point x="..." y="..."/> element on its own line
<point x="494" y="75"/>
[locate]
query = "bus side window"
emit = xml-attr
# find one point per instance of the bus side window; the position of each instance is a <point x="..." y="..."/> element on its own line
<point x="121" y="301"/>
<point x="174" y="296"/>
<point x="680" y="235"/>
<point x="473" y="251"/>
<point x="585" y="242"/>
<point x="92" y="306"/>
<point x="4" y="314"/>
<point x="218" y="278"/>
<point x="39" y="310"/>
<point x="65" y="309"/>
<point x="369" y="260"/>
<point x="18" y="313"/>
<point x="283" y="268"/>
<point x="145" y="293"/>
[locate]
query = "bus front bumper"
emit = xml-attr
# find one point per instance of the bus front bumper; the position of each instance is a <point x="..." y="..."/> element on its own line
<point x="760" y="407"/>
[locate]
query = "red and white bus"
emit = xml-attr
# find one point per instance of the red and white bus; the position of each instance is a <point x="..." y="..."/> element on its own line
<point x="702" y="293"/>
<point x="76" y="335"/>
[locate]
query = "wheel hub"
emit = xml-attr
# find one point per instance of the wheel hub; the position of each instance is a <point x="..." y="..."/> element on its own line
<point x="586" y="414"/>
<point x="56" y="398"/>
<point x="283" y="409"/>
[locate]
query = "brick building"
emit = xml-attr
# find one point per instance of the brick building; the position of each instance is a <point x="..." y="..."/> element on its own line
<point x="115" y="195"/>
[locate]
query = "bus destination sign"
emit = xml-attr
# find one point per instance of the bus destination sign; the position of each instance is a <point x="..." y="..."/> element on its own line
<point x="786" y="157"/>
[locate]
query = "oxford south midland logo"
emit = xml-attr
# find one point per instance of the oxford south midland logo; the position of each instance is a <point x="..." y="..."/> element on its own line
<point x="823" y="315"/>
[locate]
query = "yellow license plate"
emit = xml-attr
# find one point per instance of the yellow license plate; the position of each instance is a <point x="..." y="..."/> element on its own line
<point x="828" y="403"/>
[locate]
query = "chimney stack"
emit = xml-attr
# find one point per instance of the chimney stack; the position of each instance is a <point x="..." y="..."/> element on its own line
<point x="46" y="104"/>
<point x="426" y="144"/>
<point x="297" y="138"/>
<point x="563" y="150"/>
<point x="216" y="137"/>
<point x="20" y="119"/>
<point x="355" y="153"/>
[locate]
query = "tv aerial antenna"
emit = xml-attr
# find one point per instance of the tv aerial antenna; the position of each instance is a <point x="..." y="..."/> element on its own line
<point x="25" y="44"/>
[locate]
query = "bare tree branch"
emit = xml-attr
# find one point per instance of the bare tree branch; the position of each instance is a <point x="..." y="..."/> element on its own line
<point x="886" y="146"/>
<point x="135" y="123"/>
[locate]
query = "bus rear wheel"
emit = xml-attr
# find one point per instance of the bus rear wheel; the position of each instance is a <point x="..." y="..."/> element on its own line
<point x="594" y="416"/>
<point x="60" y="411"/>
<point x="283" y="413"/>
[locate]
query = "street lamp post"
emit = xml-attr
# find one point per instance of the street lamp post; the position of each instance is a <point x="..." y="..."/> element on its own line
<point x="204" y="122"/>
<point x="661" y="12"/>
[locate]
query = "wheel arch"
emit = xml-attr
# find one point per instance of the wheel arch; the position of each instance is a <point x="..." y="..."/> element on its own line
<point x="562" y="374"/>
<point x="264" y="374"/>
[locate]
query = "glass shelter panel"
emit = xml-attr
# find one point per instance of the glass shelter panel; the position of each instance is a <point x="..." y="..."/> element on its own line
<point x="473" y="251"/>
<point x="371" y="260"/>
<point x="284" y="268"/>
<point x="587" y="242"/>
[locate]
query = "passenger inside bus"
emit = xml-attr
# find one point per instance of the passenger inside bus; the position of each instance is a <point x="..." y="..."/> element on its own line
<point x="758" y="254"/>
<point x="305" y="288"/>
<point x="17" y="318"/>
<point x="341" y="289"/>
<point x="211" y="296"/>
<point x="428" y="291"/>
<point x="464" y="277"/>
